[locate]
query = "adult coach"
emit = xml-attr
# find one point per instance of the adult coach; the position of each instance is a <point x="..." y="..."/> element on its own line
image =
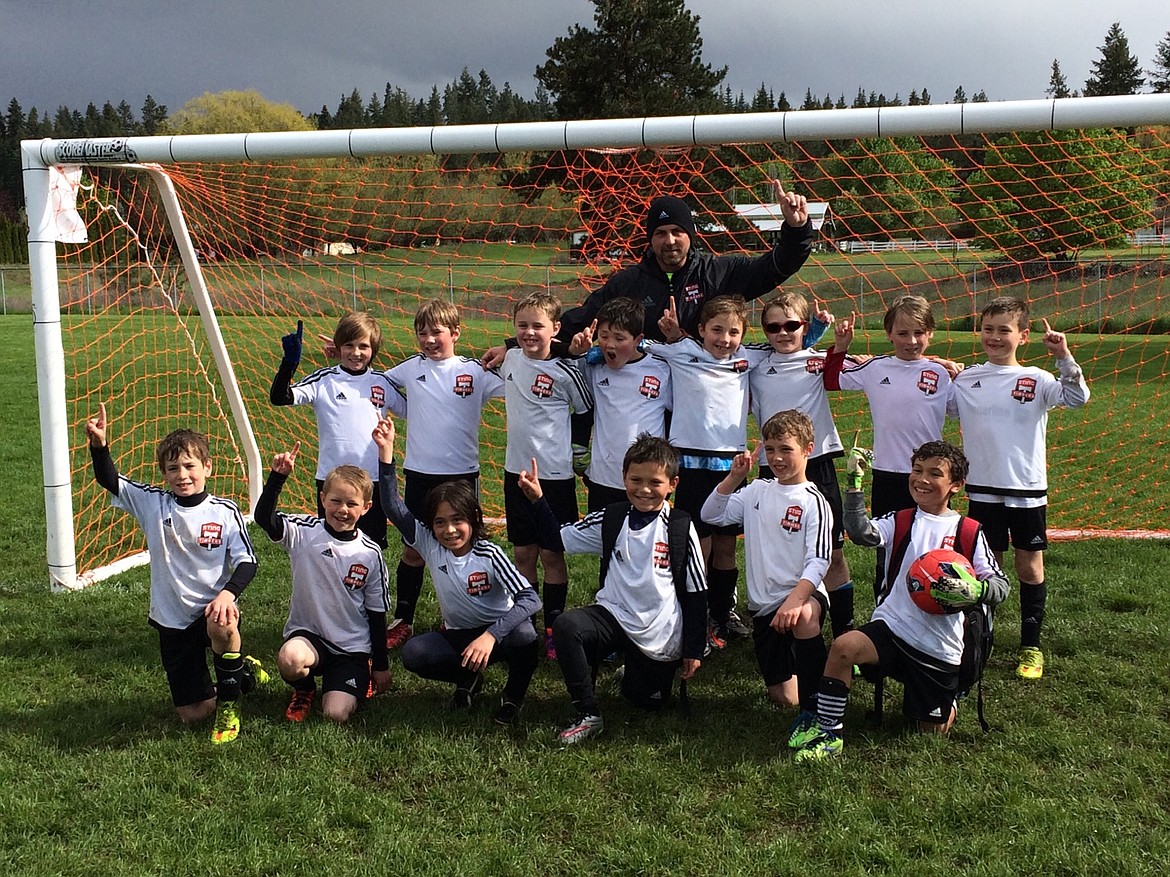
<point x="671" y="268"/>
<point x="674" y="278"/>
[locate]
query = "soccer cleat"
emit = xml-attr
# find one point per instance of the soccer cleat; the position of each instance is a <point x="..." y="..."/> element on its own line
<point x="300" y="705"/>
<point x="736" y="626"/>
<point x="582" y="729"/>
<point x="824" y="744"/>
<point x="716" y="636"/>
<point x="253" y="674"/>
<point x="508" y="712"/>
<point x="803" y="729"/>
<point x="1031" y="664"/>
<point x="550" y="647"/>
<point x="227" y="723"/>
<point x="464" y="697"/>
<point x="398" y="633"/>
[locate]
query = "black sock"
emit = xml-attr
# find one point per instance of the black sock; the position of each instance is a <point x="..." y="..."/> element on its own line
<point x="1032" y="600"/>
<point x="841" y="609"/>
<point x="721" y="593"/>
<point x="556" y="595"/>
<point x="229" y="668"/>
<point x="809" y="659"/>
<point x="409" y="586"/>
<point x="831" y="697"/>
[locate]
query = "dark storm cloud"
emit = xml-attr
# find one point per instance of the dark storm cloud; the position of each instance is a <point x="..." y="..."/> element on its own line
<point x="309" y="54"/>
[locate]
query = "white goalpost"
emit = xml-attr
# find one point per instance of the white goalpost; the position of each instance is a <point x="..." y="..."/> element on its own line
<point x="156" y="158"/>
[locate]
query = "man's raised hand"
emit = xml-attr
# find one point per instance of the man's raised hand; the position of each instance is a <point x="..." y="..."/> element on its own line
<point x="793" y="206"/>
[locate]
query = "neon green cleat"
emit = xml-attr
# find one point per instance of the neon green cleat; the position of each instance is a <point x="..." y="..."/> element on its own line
<point x="253" y="675"/>
<point x="803" y="730"/>
<point x="227" y="723"/>
<point x="1031" y="664"/>
<point x="824" y="745"/>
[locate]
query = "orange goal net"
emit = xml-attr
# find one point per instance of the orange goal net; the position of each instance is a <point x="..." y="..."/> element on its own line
<point x="1074" y="221"/>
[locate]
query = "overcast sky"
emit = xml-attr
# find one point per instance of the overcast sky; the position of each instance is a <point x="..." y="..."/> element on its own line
<point x="308" y="54"/>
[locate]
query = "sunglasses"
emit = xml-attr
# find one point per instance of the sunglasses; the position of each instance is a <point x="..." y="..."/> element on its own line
<point x="790" y="326"/>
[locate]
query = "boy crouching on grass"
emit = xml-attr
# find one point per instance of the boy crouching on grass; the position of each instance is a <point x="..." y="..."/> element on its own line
<point x="788" y="544"/>
<point x="651" y="605"/>
<point x="919" y="649"/>
<point x="336" y="625"/>
<point x="200" y="561"/>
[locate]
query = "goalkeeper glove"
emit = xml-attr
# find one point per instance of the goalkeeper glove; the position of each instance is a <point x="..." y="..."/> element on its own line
<point x="292" y="344"/>
<point x="855" y="465"/>
<point x="581" y="458"/>
<point x="957" y="591"/>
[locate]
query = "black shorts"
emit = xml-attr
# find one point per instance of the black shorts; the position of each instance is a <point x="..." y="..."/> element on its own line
<point x="1028" y="528"/>
<point x="929" y="685"/>
<point x="561" y="494"/>
<point x="184" y="658"/>
<point x="822" y="472"/>
<point x="601" y="495"/>
<point x="890" y="493"/>
<point x="694" y="486"/>
<point x="775" y="652"/>
<point x="419" y="484"/>
<point x="348" y="672"/>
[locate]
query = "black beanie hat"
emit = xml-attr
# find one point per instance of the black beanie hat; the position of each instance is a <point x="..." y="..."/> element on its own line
<point x="667" y="210"/>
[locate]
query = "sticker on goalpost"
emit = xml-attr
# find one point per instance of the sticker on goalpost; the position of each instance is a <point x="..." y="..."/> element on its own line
<point x="64" y="183"/>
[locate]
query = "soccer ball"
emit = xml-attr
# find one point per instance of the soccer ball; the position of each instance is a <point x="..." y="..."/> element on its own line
<point x="926" y="571"/>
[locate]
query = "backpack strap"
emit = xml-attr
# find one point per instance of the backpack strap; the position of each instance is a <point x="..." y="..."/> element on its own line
<point x="679" y="542"/>
<point x="611" y="526"/>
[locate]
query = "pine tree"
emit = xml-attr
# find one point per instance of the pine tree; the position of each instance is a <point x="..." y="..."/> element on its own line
<point x="1160" y="74"/>
<point x="1057" y="86"/>
<point x="1116" y="71"/>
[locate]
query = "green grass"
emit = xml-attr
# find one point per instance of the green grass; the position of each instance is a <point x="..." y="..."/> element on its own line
<point x="97" y="777"/>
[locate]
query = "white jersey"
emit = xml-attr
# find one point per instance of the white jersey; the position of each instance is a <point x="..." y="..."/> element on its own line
<point x="1003" y="412"/>
<point x="334" y="582"/>
<point x="446" y="399"/>
<point x="937" y="635"/>
<point x="540" y="394"/>
<point x="639" y="589"/>
<point x="475" y="589"/>
<point x="348" y="407"/>
<point x="193" y="549"/>
<point x="907" y="403"/>
<point x="627" y="401"/>
<point x="795" y="382"/>
<point x="711" y="414"/>
<point x="787" y="536"/>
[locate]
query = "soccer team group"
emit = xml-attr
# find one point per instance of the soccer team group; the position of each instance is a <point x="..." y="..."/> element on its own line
<point x="652" y="377"/>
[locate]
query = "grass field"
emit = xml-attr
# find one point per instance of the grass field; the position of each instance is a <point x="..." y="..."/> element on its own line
<point x="97" y="777"/>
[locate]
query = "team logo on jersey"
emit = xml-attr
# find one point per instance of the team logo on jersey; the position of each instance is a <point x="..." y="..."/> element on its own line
<point x="1025" y="390"/>
<point x="661" y="555"/>
<point x="378" y="397"/>
<point x="948" y="542"/>
<point x="691" y="293"/>
<point x="651" y="387"/>
<point x="791" y="519"/>
<point x="464" y="386"/>
<point x="740" y="366"/>
<point x="478" y="584"/>
<point x="210" y="535"/>
<point x="815" y="365"/>
<point x="356" y="577"/>
<point x="542" y="386"/>
<point x="928" y="382"/>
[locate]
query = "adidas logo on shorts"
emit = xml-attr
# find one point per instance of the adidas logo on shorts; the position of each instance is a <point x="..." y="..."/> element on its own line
<point x="351" y="682"/>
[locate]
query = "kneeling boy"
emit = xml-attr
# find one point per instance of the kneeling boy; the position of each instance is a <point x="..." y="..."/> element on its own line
<point x="920" y="650"/>
<point x="788" y="529"/>
<point x="641" y="609"/>
<point x="336" y="626"/>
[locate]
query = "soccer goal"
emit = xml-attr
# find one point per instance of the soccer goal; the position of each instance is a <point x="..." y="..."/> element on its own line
<point x="166" y="269"/>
